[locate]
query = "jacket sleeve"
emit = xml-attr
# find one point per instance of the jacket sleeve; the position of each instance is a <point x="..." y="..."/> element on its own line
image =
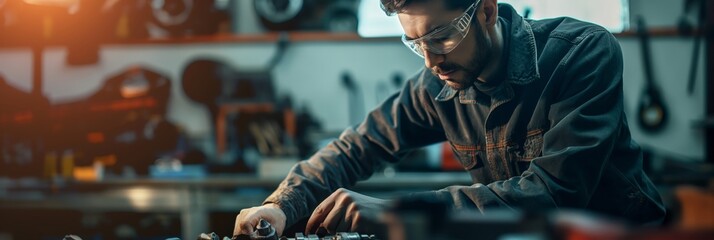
<point x="585" y="121"/>
<point x="405" y="121"/>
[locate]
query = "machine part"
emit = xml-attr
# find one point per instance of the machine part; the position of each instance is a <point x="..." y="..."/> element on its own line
<point x="338" y="236"/>
<point x="223" y="89"/>
<point x="187" y="17"/>
<point x="71" y="237"/>
<point x="280" y="14"/>
<point x="202" y="80"/>
<point x="207" y="80"/>
<point x="211" y="236"/>
<point x="263" y="231"/>
<point x="123" y="118"/>
<point x="323" y="15"/>
<point x="171" y="12"/>
<point x="266" y="231"/>
<point x="341" y="17"/>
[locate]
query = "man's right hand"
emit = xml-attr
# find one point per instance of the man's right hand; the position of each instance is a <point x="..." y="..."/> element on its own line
<point x="248" y="218"/>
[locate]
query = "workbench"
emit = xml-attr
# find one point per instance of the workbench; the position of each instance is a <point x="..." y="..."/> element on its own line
<point x="192" y="199"/>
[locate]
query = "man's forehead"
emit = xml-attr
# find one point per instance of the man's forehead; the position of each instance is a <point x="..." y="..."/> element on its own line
<point x="421" y="17"/>
<point x="423" y="7"/>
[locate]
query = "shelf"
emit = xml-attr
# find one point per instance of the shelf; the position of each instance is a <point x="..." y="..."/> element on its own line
<point x="256" y="38"/>
<point x="431" y="180"/>
<point x="225" y="38"/>
<point x="229" y="38"/>
<point x="658" y="32"/>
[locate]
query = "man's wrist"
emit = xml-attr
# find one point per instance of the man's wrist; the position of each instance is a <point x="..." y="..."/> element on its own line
<point x="271" y="204"/>
<point x="285" y="200"/>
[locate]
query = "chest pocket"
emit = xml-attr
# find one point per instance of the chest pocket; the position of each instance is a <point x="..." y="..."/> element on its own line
<point x="468" y="155"/>
<point x="521" y="152"/>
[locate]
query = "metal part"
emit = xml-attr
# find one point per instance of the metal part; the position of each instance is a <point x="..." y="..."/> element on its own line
<point x="172" y="12"/>
<point x="71" y="237"/>
<point x="265" y="231"/>
<point x="264" y="228"/>
<point x="278" y="11"/>
<point x="338" y="236"/>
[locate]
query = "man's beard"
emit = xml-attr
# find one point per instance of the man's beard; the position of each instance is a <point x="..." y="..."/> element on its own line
<point x="482" y="52"/>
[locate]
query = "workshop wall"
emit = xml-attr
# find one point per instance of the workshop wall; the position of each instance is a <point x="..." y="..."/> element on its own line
<point x="310" y="73"/>
<point x="671" y="60"/>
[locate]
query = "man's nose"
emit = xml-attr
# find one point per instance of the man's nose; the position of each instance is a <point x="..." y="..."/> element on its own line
<point x="432" y="60"/>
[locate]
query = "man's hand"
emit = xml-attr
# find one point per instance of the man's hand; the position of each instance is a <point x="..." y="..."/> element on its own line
<point x="248" y="218"/>
<point x="348" y="211"/>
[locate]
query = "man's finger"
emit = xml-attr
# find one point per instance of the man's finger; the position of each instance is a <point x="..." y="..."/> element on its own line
<point x="246" y="228"/>
<point x="344" y="225"/>
<point x="320" y="213"/>
<point x="335" y="218"/>
<point x="351" y="218"/>
<point x="244" y="224"/>
<point x="238" y="227"/>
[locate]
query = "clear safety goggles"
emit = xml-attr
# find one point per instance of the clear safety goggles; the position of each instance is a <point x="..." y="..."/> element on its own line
<point x="445" y="38"/>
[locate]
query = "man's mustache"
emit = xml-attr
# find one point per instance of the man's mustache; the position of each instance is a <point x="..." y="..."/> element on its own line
<point x="445" y="68"/>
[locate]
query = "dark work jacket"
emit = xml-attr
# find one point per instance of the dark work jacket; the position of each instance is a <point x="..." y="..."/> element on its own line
<point x="551" y="134"/>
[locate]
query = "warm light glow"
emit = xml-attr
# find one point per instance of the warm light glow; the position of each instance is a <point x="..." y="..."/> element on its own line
<point x="53" y="2"/>
<point x="144" y="198"/>
<point x="139" y="197"/>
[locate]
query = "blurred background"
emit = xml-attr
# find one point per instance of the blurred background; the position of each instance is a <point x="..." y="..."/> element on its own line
<point x="149" y="119"/>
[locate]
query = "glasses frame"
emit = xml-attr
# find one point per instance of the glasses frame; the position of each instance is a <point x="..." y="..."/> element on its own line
<point x="461" y="24"/>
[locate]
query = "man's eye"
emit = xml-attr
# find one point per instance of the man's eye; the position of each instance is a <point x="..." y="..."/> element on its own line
<point x="438" y="40"/>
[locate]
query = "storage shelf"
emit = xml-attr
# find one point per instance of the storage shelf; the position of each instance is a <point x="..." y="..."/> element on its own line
<point x="230" y="38"/>
<point x="399" y="180"/>
<point x="253" y="38"/>
<point x="658" y="32"/>
<point x="224" y="38"/>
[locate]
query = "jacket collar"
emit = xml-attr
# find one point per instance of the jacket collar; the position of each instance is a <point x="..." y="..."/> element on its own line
<point x="522" y="67"/>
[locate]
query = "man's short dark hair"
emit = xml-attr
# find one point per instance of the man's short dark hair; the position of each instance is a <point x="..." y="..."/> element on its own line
<point x="392" y="7"/>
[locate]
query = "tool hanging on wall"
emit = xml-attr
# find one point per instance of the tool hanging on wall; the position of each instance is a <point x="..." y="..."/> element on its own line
<point x="652" y="112"/>
<point x="687" y="28"/>
<point x="355" y="99"/>
<point x="383" y="91"/>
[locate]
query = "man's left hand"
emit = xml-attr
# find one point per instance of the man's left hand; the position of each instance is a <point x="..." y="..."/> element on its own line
<point x="348" y="211"/>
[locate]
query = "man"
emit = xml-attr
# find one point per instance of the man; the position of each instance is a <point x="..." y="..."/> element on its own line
<point x="532" y="109"/>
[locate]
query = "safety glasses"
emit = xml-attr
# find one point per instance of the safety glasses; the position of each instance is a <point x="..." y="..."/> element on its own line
<point x="445" y="38"/>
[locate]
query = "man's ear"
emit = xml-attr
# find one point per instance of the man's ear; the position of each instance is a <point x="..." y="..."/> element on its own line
<point x="490" y="10"/>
